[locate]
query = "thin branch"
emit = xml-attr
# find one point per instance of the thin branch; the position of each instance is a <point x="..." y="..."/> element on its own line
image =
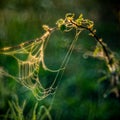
<point x="43" y="37"/>
<point x="97" y="39"/>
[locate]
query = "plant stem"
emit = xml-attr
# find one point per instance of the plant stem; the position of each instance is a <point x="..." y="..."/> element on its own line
<point x="97" y="39"/>
<point x="43" y="37"/>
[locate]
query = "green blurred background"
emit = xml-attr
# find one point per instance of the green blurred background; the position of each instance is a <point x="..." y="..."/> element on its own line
<point x="79" y="95"/>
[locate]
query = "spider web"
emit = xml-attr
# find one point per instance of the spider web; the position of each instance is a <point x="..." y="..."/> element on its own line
<point x="29" y="55"/>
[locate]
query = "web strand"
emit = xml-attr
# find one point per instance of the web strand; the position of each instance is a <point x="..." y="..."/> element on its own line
<point x="66" y="58"/>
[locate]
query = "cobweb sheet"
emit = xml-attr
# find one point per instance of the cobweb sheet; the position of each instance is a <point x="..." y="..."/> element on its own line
<point x="29" y="55"/>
